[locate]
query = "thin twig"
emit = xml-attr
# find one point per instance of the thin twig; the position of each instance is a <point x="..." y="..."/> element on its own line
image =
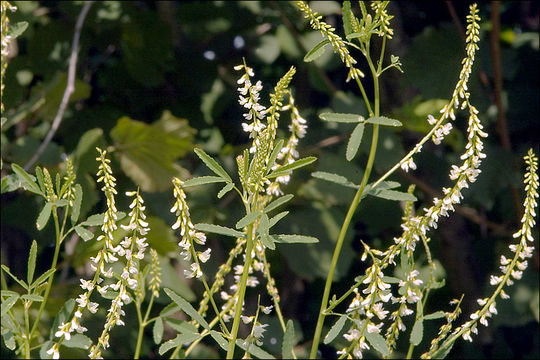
<point x="70" y="86"/>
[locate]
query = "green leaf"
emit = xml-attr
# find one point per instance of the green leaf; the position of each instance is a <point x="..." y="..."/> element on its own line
<point x="417" y="332"/>
<point x="169" y="310"/>
<point x="44" y="216"/>
<point x="264" y="227"/>
<point x="42" y="278"/>
<point x="181" y="326"/>
<point x="32" y="297"/>
<point x="59" y="202"/>
<point x="8" y="304"/>
<point x="292" y="239"/>
<point x="31" y="262"/>
<point x="225" y="190"/>
<point x="212" y="164"/>
<point x="335" y="329"/>
<point x="254" y="350"/>
<point x="20" y="282"/>
<point x="9" y="183"/>
<point x="148" y="152"/>
<point x="180" y="339"/>
<point x="78" y="341"/>
<point x="157" y="330"/>
<point x="9" y="340"/>
<point x="85" y="234"/>
<point x="284" y="170"/>
<point x="378" y="342"/>
<point x="224" y="344"/>
<point x="248" y="219"/>
<point x="202" y="180"/>
<point x="15" y="30"/>
<point x="94" y="220"/>
<point x="383" y="120"/>
<point x="395" y="195"/>
<point x="354" y="141"/>
<point x="187" y="308"/>
<point x="445" y="352"/>
<point x="62" y="316"/>
<point x="436" y="315"/>
<point x="273" y="221"/>
<point x="278" y="202"/>
<point x="7" y="293"/>
<point x="76" y="210"/>
<point x="40" y="177"/>
<point x="275" y="153"/>
<point x="362" y="35"/>
<point x="288" y="341"/>
<point x="316" y="51"/>
<point x="342" y="118"/>
<point x="217" y="229"/>
<point x="27" y="181"/>
<point x="335" y="178"/>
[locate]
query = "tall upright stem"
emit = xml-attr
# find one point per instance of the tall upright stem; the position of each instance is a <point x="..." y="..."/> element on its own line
<point x="241" y="292"/>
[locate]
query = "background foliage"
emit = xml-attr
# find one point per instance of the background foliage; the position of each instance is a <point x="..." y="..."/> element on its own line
<point x="154" y="79"/>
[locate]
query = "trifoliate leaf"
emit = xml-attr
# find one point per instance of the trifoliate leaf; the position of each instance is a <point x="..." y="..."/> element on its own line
<point x="187" y="308"/>
<point x="335" y="178"/>
<point x="354" y="141"/>
<point x="335" y="330"/>
<point x="278" y="202"/>
<point x="212" y="164"/>
<point x="44" y="216"/>
<point x="157" y="330"/>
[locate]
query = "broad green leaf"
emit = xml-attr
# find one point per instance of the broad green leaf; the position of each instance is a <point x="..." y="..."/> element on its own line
<point x="42" y="278"/>
<point x="15" y="30"/>
<point x="32" y="297"/>
<point x="225" y="190"/>
<point x="9" y="183"/>
<point x="436" y="315"/>
<point x="335" y="330"/>
<point x="354" y="141"/>
<point x="43" y="350"/>
<point x="383" y="120"/>
<point x="217" y="229"/>
<point x="202" y="180"/>
<point x="40" y="179"/>
<point x="181" y="326"/>
<point x="278" y="202"/>
<point x="44" y="216"/>
<point x="85" y="234"/>
<point x="94" y="220"/>
<point x="292" y="239"/>
<point x="342" y="118"/>
<point x="212" y="164"/>
<point x="248" y="219"/>
<point x="78" y="341"/>
<point x="157" y="330"/>
<point x="224" y="344"/>
<point x="8" y="304"/>
<point x="275" y="153"/>
<point x="254" y="350"/>
<point x="264" y="228"/>
<point x="187" y="308"/>
<point x="378" y="342"/>
<point x="62" y="316"/>
<point x="6" y="293"/>
<point x="148" y="152"/>
<point x="9" y="340"/>
<point x="27" y="181"/>
<point x="284" y="170"/>
<point x="20" y="282"/>
<point x="288" y="341"/>
<point x="180" y="339"/>
<point x="76" y="210"/>
<point x="385" y="185"/>
<point x="335" y="178"/>
<point x="395" y="195"/>
<point x="417" y="332"/>
<point x="275" y="219"/>
<point x="31" y="262"/>
<point x="390" y="280"/>
<point x="316" y="51"/>
<point x="169" y="310"/>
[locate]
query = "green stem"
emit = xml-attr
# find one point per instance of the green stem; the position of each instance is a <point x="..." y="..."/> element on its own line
<point x="241" y="292"/>
<point x="356" y="201"/>
<point x="26" y="336"/>
<point x="142" y="325"/>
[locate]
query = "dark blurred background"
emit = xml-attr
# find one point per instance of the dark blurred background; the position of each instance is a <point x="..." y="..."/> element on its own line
<point x="169" y="64"/>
